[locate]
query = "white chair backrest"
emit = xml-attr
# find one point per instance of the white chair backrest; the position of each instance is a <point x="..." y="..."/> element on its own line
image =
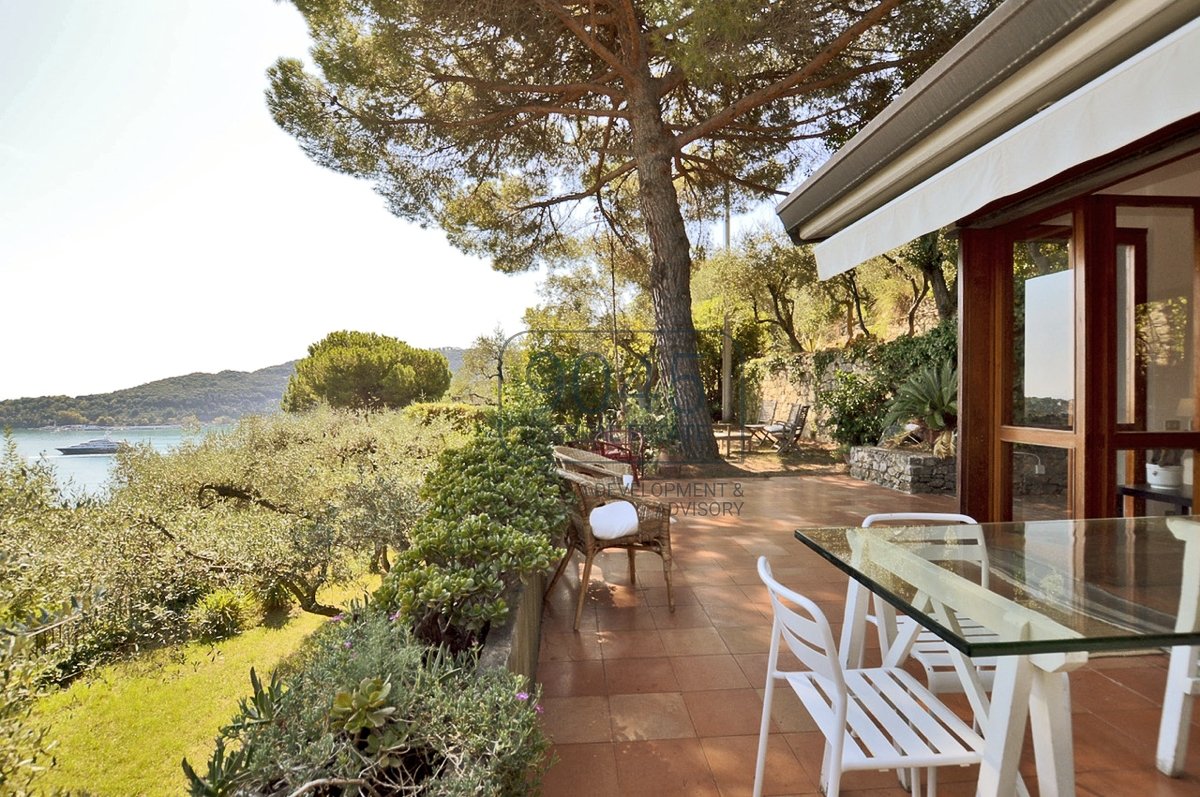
<point x="766" y="411"/>
<point x="968" y="545"/>
<point x="808" y="637"/>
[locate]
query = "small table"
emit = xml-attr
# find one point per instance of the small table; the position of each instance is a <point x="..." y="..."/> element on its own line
<point x="730" y="432"/>
<point x="1180" y="497"/>
<point x="1057" y="591"/>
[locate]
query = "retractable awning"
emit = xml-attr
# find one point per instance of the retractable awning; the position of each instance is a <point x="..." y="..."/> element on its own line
<point x="1149" y="91"/>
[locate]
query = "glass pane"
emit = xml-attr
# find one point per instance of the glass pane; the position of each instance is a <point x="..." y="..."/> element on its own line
<point x="1154" y="482"/>
<point x="1044" y="328"/>
<point x="1155" y="308"/>
<point x="1052" y="585"/>
<point x="1041" y="476"/>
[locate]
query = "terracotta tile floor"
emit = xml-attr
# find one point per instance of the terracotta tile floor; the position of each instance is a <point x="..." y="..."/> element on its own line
<point x="642" y="701"/>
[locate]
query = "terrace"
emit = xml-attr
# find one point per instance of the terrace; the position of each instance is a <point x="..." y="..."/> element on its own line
<point x="643" y="701"/>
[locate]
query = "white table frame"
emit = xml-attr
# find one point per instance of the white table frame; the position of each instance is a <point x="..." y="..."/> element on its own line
<point x="1027" y="687"/>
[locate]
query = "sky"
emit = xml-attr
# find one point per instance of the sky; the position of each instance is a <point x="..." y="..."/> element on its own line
<point x="154" y="221"/>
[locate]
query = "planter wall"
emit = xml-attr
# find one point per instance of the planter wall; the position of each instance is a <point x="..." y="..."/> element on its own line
<point x="909" y="472"/>
<point x="916" y="472"/>
<point x="514" y="645"/>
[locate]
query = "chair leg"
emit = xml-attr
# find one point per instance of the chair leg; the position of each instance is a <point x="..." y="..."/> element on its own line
<point x="666" y="560"/>
<point x="558" y="571"/>
<point x="583" y="587"/>
<point x="831" y="772"/>
<point x="763" y="734"/>
<point x="632" y="569"/>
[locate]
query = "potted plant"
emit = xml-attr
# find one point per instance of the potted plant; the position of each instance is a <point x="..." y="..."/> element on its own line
<point x="1164" y="467"/>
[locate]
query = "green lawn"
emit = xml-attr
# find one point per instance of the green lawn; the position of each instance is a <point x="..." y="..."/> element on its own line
<point x="124" y="729"/>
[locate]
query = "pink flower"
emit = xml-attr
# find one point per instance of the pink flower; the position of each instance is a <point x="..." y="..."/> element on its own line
<point x="522" y="695"/>
<point x="347" y="644"/>
<point x="538" y="708"/>
<point x="337" y="618"/>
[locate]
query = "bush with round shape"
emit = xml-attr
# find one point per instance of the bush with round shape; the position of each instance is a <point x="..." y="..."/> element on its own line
<point x="223" y="613"/>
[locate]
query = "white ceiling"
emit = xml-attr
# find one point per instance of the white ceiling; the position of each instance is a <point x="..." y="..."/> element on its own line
<point x="1178" y="178"/>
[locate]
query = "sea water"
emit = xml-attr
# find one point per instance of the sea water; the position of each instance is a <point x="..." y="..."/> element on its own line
<point x="91" y="474"/>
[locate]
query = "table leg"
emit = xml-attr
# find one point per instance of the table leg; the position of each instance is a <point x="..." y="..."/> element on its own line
<point x="1177" y="710"/>
<point x="1004" y="729"/>
<point x="854" y="625"/>
<point x="1050" y="718"/>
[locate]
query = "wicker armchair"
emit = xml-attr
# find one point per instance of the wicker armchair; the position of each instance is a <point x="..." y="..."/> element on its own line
<point x="595" y="482"/>
<point x="592" y="464"/>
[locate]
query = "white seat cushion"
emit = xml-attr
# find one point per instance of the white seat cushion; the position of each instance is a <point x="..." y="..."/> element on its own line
<point x="613" y="520"/>
<point x="775" y="427"/>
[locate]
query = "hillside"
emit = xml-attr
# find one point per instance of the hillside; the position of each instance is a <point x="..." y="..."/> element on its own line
<point x="194" y="397"/>
<point x="454" y="357"/>
<point x="179" y="399"/>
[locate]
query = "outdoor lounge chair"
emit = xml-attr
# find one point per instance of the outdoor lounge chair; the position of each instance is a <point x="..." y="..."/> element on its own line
<point x="765" y="417"/>
<point x="787" y="433"/>
<point x="880" y="718"/>
<point x="605" y="515"/>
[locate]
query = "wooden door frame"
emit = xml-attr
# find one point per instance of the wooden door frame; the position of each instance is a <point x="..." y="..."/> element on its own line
<point x="986" y="432"/>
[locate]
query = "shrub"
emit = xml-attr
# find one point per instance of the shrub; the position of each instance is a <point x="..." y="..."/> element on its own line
<point x="460" y="417"/>
<point x="272" y="596"/>
<point x="493" y="507"/>
<point x="366" y="703"/>
<point x="24" y="749"/>
<point x="857" y="404"/>
<point x="223" y="613"/>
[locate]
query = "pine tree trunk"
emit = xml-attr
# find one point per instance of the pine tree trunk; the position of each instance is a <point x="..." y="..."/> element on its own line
<point x="670" y="271"/>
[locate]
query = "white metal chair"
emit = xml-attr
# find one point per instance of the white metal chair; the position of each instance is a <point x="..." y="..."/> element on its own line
<point x="881" y="718"/>
<point x="927" y="649"/>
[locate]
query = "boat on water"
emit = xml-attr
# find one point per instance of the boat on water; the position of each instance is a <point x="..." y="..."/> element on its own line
<point x="99" y="446"/>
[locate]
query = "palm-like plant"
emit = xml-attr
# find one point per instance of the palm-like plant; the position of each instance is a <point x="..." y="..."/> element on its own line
<point x="930" y="398"/>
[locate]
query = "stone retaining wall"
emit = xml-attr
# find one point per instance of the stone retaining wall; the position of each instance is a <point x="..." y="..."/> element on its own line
<point x="909" y="472"/>
<point x="915" y="472"/>
<point x="514" y="644"/>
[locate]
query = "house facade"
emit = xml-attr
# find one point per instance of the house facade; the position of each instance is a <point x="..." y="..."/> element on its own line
<point x="1061" y="142"/>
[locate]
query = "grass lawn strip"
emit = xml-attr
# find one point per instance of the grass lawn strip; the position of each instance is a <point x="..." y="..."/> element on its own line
<point x="124" y="729"/>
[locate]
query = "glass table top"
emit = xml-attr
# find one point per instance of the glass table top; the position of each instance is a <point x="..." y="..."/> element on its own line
<point x="1045" y="586"/>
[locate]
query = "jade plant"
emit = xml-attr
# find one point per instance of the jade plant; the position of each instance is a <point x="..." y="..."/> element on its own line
<point x="494" y="506"/>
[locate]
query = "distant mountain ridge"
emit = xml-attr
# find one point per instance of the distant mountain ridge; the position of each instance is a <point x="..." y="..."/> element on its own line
<point x="203" y="397"/>
<point x="454" y="357"/>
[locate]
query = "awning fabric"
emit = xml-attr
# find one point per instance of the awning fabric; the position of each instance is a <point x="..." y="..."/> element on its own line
<point x="1155" y="88"/>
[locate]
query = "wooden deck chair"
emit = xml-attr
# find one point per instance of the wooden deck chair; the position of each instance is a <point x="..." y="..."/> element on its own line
<point x="765" y="417"/>
<point x="787" y="433"/>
